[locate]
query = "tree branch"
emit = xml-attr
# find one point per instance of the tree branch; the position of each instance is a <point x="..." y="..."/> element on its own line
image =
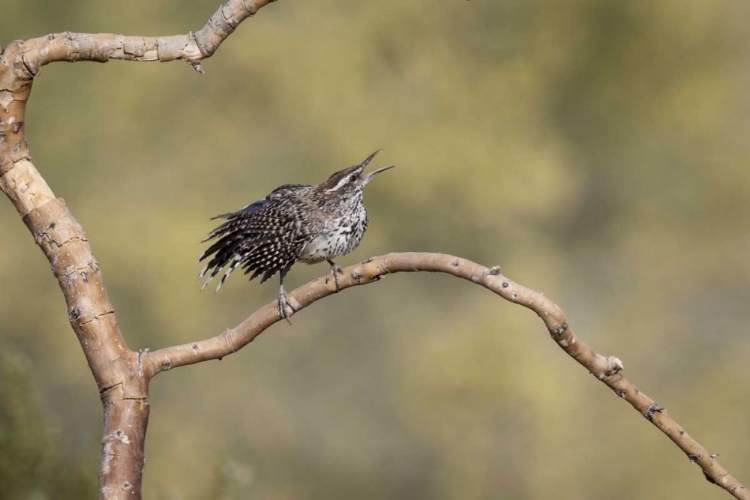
<point x="606" y="369"/>
<point x="117" y="370"/>
<point x="101" y="47"/>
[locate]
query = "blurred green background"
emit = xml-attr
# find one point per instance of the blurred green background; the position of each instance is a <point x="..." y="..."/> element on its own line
<point x="596" y="150"/>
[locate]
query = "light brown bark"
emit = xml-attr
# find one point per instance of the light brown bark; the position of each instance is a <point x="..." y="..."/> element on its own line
<point x="122" y="375"/>
<point x="123" y="386"/>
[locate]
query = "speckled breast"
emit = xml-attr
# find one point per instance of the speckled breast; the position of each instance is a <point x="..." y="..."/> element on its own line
<point x="340" y="237"/>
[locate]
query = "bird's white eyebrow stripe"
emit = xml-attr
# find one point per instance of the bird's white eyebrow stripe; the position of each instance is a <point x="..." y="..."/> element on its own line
<point x="339" y="185"/>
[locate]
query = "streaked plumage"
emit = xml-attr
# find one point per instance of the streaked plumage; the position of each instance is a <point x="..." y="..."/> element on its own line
<point x="294" y="222"/>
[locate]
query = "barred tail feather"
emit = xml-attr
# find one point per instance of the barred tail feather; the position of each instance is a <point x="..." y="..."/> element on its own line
<point x="257" y="238"/>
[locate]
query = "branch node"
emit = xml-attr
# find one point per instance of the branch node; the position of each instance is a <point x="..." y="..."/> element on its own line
<point x="74" y="314"/>
<point x="558" y="330"/>
<point x="652" y="408"/>
<point x="614" y="366"/>
<point x="118" y="435"/>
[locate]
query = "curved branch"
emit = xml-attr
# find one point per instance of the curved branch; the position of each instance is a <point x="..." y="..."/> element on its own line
<point x="101" y="47"/>
<point x="607" y="369"/>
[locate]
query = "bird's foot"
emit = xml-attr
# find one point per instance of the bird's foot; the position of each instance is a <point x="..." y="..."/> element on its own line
<point x="335" y="271"/>
<point x="282" y="307"/>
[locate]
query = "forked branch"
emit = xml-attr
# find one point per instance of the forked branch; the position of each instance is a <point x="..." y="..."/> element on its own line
<point x="122" y="385"/>
<point x="606" y="369"/>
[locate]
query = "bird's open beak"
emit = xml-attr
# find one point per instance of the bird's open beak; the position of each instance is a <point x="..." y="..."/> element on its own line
<point x="372" y="174"/>
<point x="369" y="159"/>
<point x="367" y="162"/>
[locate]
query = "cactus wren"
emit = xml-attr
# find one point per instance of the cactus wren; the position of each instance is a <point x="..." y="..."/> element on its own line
<point x="295" y="222"/>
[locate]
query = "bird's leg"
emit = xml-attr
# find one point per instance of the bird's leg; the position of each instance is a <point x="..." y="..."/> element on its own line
<point x="284" y="302"/>
<point x="335" y="271"/>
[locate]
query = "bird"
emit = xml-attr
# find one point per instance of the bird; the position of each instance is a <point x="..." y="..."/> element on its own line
<point x="295" y="222"/>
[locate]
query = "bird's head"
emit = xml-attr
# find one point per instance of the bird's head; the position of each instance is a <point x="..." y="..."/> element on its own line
<point x="351" y="180"/>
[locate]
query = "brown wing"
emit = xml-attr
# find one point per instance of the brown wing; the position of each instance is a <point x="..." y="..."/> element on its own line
<point x="263" y="238"/>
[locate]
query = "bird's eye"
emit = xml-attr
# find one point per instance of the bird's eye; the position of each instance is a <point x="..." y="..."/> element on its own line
<point x="353" y="178"/>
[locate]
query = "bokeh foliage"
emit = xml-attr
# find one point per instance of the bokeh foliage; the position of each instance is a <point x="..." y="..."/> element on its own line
<point x="596" y="150"/>
<point x="33" y="461"/>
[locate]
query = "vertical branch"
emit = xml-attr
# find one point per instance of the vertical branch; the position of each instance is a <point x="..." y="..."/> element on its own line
<point x="123" y="445"/>
<point x="124" y="392"/>
<point x="122" y="383"/>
